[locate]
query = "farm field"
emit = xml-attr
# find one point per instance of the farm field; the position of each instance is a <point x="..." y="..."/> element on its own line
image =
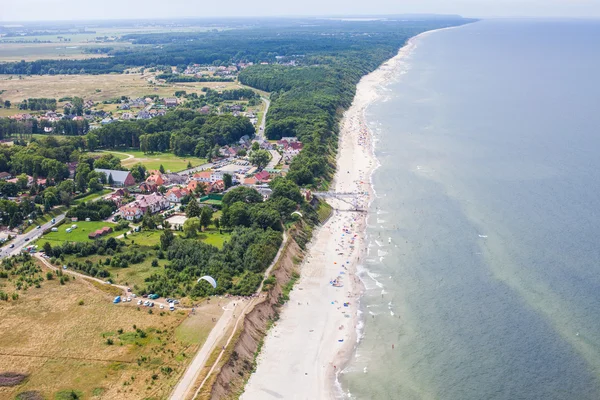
<point x="96" y="87"/>
<point x="77" y="235"/>
<point x="169" y="161"/>
<point x="72" y="337"/>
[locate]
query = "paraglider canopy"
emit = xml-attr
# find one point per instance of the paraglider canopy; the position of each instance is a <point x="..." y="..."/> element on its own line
<point x="210" y="280"/>
<point x="297" y="213"/>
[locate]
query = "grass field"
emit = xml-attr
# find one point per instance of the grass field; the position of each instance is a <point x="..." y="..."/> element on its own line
<point x="86" y="86"/>
<point x="77" y="235"/>
<point x="92" y="196"/>
<point x="169" y="161"/>
<point x="213" y="237"/>
<point x="59" y="336"/>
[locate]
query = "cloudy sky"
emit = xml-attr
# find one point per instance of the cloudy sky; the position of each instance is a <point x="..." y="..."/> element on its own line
<point x="26" y="10"/>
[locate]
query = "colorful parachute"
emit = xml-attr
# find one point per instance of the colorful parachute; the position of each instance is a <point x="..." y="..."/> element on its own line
<point x="210" y="280"/>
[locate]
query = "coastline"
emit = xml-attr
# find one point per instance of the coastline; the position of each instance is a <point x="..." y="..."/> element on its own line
<point x="320" y="326"/>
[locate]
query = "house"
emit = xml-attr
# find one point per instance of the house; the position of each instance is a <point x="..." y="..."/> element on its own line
<point x="107" y="120"/>
<point x="126" y="116"/>
<point x="217" y="187"/>
<point x="265" y="192"/>
<point x="153" y="202"/>
<point x="131" y="213"/>
<point x="156" y="179"/>
<point x="5" y="175"/>
<point x="203" y="176"/>
<point x="262" y="176"/>
<point x="144" y="203"/>
<point x="251" y="181"/>
<point x="148" y="187"/>
<point x="174" y="195"/>
<point x="174" y="179"/>
<point x="120" y="178"/>
<point x="125" y="106"/>
<point x="236" y="107"/>
<point x="144" y="115"/>
<point x="192" y="185"/>
<point x="170" y="101"/>
<point x="48" y="129"/>
<point x="205" y="110"/>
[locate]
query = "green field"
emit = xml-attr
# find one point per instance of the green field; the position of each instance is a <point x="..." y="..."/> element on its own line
<point x="92" y="196"/>
<point x="213" y="237"/>
<point x="77" y="235"/>
<point x="169" y="161"/>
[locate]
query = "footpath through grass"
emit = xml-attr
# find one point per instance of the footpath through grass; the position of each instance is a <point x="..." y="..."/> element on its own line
<point x="169" y="161"/>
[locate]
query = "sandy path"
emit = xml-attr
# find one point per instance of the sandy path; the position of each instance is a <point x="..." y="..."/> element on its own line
<point x="317" y="332"/>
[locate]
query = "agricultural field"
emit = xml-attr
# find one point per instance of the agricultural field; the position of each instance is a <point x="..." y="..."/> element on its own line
<point x="96" y="87"/>
<point x="71" y="337"/>
<point x="77" y="235"/>
<point x="169" y="161"/>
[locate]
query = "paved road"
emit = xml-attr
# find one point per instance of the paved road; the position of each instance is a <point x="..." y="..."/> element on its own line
<point x="25" y="239"/>
<point x="261" y="128"/>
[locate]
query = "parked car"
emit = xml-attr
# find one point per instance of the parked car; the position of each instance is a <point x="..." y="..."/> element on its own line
<point x="139" y="303"/>
<point x="12" y="245"/>
<point x="27" y="239"/>
<point x="38" y="227"/>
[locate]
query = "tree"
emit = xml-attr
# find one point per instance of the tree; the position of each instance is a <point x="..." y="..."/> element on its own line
<point x="148" y="221"/>
<point x="285" y="188"/>
<point x="217" y="223"/>
<point x="193" y="209"/>
<point x="260" y="158"/>
<point x="227" y="180"/>
<point x="189" y="165"/>
<point x="48" y="249"/>
<point x="191" y="227"/>
<point x="243" y="194"/>
<point x="111" y="181"/>
<point x="161" y="169"/>
<point x="94" y="185"/>
<point x="91" y="141"/>
<point x="206" y="217"/>
<point x="81" y="176"/>
<point x="138" y="171"/>
<point x="6" y="103"/>
<point x="255" y="146"/>
<point x="166" y="239"/>
<point x="242" y="153"/>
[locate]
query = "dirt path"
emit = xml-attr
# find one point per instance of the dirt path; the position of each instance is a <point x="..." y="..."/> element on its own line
<point x="129" y="156"/>
<point x="186" y="383"/>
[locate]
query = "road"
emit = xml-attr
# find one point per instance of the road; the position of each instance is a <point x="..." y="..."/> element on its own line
<point x="186" y="383"/>
<point x="261" y="128"/>
<point x="25" y="239"/>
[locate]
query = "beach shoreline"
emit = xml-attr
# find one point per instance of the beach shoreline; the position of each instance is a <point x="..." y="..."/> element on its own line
<point x="320" y="326"/>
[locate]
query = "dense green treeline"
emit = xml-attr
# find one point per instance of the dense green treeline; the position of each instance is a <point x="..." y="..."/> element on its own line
<point x="183" y="132"/>
<point x="293" y="39"/>
<point x="307" y="100"/>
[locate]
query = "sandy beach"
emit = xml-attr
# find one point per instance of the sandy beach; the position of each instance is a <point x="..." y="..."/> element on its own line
<point x="320" y="325"/>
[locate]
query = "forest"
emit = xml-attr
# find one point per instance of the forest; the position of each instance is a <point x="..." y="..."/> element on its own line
<point x="257" y="43"/>
<point x="184" y="132"/>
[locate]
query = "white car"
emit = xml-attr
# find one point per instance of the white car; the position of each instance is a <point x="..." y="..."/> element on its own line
<point x="129" y="299"/>
<point x="139" y="303"/>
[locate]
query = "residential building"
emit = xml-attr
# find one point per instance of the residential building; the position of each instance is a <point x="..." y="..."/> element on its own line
<point x="156" y="179"/>
<point x="174" y="179"/>
<point x="120" y="178"/>
<point x="5" y="175"/>
<point x="174" y="195"/>
<point x="262" y="176"/>
<point x="170" y="101"/>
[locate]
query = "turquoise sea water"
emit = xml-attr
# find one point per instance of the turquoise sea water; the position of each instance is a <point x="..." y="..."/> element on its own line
<point x="484" y="262"/>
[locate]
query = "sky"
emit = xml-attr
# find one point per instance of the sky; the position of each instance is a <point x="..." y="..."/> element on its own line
<point x="43" y="10"/>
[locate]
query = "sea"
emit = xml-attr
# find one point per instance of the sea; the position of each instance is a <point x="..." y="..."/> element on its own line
<point x="482" y="279"/>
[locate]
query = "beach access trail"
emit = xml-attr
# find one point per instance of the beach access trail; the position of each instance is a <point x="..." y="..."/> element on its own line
<point x="317" y="332"/>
